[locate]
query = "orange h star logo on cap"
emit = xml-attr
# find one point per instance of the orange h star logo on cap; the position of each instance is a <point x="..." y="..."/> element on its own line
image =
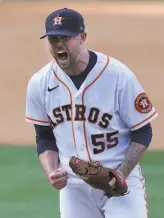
<point x="58" y="20"/>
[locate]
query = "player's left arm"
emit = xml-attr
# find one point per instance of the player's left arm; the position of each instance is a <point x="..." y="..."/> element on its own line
<point x="140" y="140"/>
<point x="137" y="112"/>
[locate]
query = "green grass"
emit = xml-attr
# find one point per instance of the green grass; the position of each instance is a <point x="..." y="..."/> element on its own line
<point x="25" y="193"/>
<point x="153" y="170"/>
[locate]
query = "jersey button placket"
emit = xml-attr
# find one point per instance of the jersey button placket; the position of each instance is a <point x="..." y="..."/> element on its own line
<point x="79" y="131"/>
<point x="80" y="140"/>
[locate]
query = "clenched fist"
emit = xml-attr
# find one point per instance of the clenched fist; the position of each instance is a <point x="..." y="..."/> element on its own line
<point x="58" y="178"/>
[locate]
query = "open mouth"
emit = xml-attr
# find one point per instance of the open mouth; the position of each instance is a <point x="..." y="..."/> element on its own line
<point x="62" y="55"/>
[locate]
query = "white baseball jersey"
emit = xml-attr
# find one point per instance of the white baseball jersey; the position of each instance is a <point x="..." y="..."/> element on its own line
<point x="94" y="122"/>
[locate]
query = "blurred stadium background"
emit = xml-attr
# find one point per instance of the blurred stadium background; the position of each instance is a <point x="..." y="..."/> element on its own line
<point x="131" y="31"/>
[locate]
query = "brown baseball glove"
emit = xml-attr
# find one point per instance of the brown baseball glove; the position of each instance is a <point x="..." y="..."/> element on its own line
<point x="99" y="177"/>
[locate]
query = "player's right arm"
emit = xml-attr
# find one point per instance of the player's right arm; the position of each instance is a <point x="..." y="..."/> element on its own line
<point x="48" y="155"/>
<point x="45" y="140"/>
<point x="56" y="176"/>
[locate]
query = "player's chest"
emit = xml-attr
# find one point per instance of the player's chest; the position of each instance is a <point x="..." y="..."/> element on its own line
<point x="95" y="104"/>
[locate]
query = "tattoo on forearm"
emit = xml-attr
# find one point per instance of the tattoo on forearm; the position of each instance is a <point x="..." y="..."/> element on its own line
<point x="132" y="157"/>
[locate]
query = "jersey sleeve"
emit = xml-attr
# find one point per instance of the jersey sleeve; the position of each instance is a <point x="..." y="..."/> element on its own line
<point x="135" y="107"/>
<point x="35" y="110"/>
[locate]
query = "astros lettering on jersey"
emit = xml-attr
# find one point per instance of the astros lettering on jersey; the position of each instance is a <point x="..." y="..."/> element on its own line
<point x="94" y="122"/>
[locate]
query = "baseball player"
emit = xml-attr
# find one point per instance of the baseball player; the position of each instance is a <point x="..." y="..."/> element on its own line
<point x="92" y="121"/>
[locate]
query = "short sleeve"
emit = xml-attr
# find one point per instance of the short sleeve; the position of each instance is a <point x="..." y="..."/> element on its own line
<point x="35" y="110"/>
<point x="135" y="107"/>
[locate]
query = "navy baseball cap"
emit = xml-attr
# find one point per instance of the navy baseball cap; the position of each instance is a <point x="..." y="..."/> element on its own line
<point x="64" y="22"/>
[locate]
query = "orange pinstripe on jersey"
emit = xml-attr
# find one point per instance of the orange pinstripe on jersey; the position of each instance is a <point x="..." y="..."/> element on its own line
<point x="88" y="86"/>
<point x="40" y="121"/>
<point x="70" y="94"/>
<point x="143" y="120"/>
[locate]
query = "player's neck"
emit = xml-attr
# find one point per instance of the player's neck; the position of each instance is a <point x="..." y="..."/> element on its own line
<point x="78" y="67"/>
